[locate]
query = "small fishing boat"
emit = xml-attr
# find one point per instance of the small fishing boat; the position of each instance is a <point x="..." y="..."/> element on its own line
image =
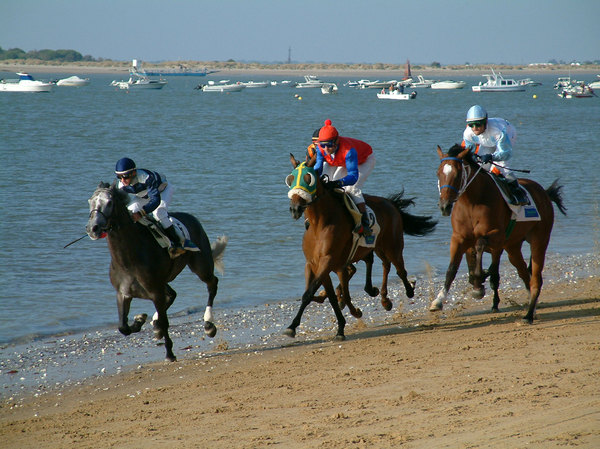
<point x="223" y="87"/>
<point x="329" y="88"/>
<point x="25" y="83"/>
<point x="310" y="81"/>
<point x="396" y="95"/>
<point x="581" y="91"/>
<point x="256" y="84"/>
<point x="421" y="83"/>
<point x="497" y="83"/>
<point x="138" y="79"/>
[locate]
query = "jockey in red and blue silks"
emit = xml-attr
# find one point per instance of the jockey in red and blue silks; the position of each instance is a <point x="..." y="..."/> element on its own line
<point x="348" y="163"/>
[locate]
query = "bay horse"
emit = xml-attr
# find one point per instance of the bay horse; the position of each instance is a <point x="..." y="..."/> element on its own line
<point x="327" y="243"/>
<point x="481" y="222"/>
<point x="141" y="268"/>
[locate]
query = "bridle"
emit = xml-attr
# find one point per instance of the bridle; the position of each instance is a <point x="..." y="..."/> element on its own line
<point x="108" y="218"/>
<point x="466" y="178"/>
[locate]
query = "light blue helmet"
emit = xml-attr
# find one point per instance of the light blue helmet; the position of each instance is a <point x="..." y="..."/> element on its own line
<point x="476" y="113"/>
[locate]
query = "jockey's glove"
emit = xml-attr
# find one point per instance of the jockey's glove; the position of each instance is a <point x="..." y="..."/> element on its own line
<point x="334" y="185"/>
<point x="485" y="158"/>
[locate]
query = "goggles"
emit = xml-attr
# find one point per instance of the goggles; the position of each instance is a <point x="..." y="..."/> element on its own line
<point x="476" y="124"/>
<point x="327" y="144"/>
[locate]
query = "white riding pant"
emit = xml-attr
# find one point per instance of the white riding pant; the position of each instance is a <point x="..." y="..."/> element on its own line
<point x="364" y="170"/>
<point x="161" y="213"/>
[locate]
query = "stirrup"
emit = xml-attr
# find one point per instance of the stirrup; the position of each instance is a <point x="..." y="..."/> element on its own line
<point x="176" y="251"/>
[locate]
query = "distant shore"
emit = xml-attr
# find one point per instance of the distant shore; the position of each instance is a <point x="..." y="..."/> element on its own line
<point x="393" y="71"/>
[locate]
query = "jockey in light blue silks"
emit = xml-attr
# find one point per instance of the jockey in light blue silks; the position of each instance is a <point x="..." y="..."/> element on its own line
<point x="491" y="140"/>
<point x="150" y="194"/>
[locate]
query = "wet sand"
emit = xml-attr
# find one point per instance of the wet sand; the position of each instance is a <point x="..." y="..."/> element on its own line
<point x="461" y="378"/>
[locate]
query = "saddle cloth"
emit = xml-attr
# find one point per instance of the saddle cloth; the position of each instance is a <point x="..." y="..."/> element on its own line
<point x="527" y="212"/>
<point x="159" y="234"/>
<point x="364" y="241"/>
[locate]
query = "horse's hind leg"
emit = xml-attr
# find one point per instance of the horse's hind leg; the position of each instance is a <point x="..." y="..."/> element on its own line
<point x="171" y="295"/>
<point x="494" y="274"/>
<point x="398" y="262"/>
<point x="385" y="301"/>
<point x="160" y="303"/>
<point x="538" y="255"/>
<point x="477" y="274"/>
<point x="343" y="291"/>
<point x="369" y="289"/>
<point x="204" y="269"/>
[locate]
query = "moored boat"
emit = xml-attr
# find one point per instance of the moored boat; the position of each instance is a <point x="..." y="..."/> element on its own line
<point x="256" y="84"/>
<point x="448" y="84"/>
<point x="497" y="83"/>
<point x="421" y="83"/>
<point x="396" y="95"/>
<point x="25" y="83"/>
<point x="310" y="81"/>
<point x="223" y="87"/>
<point x="329" y="88"/>
<point x="138" y="79"/>
<point x="73" y="81"/>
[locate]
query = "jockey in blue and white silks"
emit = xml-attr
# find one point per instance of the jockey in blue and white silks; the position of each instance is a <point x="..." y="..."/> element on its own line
<point x="492" y="139"/>
<point x="150" y="193"/>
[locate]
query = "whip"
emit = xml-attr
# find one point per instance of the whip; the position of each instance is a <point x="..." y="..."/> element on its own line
<point x="75" y="241"/>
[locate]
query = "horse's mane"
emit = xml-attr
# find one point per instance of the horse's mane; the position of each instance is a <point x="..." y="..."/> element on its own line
<point x="117" y="194"/>
<point x="455" y="150"/>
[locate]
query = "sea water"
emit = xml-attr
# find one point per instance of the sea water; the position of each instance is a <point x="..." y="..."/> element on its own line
<point x="227" y="156"/>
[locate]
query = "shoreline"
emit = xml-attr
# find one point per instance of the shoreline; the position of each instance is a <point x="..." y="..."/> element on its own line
<point x="388" y="385"/>
<point x="320" y="69"/>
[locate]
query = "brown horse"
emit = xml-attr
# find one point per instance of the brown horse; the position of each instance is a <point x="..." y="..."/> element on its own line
<point x="327" y="243"/>
<point x="481" y="221"/>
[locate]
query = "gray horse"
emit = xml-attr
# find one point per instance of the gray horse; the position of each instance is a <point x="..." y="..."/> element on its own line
<point x="141" y="268"/>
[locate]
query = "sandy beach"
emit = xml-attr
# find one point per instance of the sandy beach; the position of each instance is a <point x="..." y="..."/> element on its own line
<point x="464" y="378"/>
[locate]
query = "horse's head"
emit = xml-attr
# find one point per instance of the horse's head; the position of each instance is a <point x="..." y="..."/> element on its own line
<point x="450" y="176"/>
<point x="303" y="186"/>
<point x="103" y="204"/>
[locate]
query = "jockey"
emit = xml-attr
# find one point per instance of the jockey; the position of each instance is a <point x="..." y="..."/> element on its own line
<point x="348" y="163"/>
<point x="152" y="195"/>
<point x="491" y="140"/>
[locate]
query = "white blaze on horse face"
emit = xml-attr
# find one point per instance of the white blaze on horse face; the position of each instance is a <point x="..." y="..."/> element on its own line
<point x="447" y="170"/>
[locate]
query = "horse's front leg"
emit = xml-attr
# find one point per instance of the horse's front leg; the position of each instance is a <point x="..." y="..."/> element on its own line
<point x="312" y="285"/>
<point x="494" y="273"/>
<point x="162" y="323"/>
<point x="123" y="306"/>
<point x="456" y="253"/>
<point x="369" y="289"/>
<point x="336" y="308"/>
<point x="477" y="276"/>
<point x="343" y="294"/>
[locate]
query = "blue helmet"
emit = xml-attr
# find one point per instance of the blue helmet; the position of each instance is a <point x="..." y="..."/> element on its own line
<point x="124" y="165"/>
<point x="476" y="113"/>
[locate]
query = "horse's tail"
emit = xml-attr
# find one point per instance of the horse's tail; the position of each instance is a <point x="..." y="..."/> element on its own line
<point x="413" y="224"/>
<point x="218" y="249"/>
<point x="555" y="194"/>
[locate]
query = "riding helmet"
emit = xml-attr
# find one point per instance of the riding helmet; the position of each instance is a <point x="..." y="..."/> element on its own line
<point x="476" y="113"/>
<point x="124" y="165"/>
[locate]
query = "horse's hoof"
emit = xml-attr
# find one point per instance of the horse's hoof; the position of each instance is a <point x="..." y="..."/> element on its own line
<point x="289" y="332"/>
<point x="527" y="320"/>
<point x="125" y="330"/>
<point x="158" y="334"/>
<point x="495" y="310"/>
<point x="170" y="358"/>
<point x="387" y="304"/>
<point x="372" y="292"/>
<point x="210" y="329"/>
<point x="141" y="318"/>
<point x="478" y="293"/>
<point x="436" y="306"/>
<point x="339" y="337"/>
<point x="357" y="313"/>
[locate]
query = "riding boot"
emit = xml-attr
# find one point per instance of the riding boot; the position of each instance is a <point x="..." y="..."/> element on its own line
<point x="519" y="198"/>
<point x="366" y="225"/>
<point x="176" y="249"/>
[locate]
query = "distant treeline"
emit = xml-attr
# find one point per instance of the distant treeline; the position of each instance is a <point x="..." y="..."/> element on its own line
<point x="45" y="55"/>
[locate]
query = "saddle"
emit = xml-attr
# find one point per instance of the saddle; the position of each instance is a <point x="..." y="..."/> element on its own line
<point x="365" y="241"/>
<point x="161" y="238"/>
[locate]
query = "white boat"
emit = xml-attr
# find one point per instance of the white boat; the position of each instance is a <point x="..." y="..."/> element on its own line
<point x="448" y="84"/>
<point x="351" y="84"/>
<point x="422" y="82"/>
<point x="25" y="83"/>
<point x="223" y="87"/>
<point x="497" y="83"/>
<point x="396" y="95"/>
<point x="256" y="84"/>
<point x="529" y="82"/>
<point x="310" y="81"/>
<point x="73" y="81"/>
<point x="329" y="88"/>
<point x="595" y="84"/>
<point x="138" y="79"/>
<point x="366" y="84"/>
<point x="565" y="82"/>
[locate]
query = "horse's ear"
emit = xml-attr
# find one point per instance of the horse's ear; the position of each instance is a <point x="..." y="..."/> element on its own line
<point x="463" y="153"/>
<point x="312" y="161"/>
<point x="295" y="162"/>
<point x="440" y="152"/>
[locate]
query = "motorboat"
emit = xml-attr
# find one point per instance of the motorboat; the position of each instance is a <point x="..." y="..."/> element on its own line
<point x="497" y="83"/>
<point x="529" y="82"/>
<point x="422" y="82"/>
<point x="329" y="88"/>
<point x="25" y="83"/>
<point x="448" y="84"/>
<point x="396" y="95"/>
<point x="351" y="84"/>
<point x="73" y="81"/>
<point x="256" y="84"/>
<point x="366" y="84"/>
<point x="138" y="79"/>
<point x="595" y="84"/>
<point x="223" y="87"/>
<point x="310" y="81"/>
<point x="581" y="91"/>
<point x="565" y="82"/>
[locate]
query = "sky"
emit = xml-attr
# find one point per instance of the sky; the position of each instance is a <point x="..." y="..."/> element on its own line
<point x="331" y="31"/>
